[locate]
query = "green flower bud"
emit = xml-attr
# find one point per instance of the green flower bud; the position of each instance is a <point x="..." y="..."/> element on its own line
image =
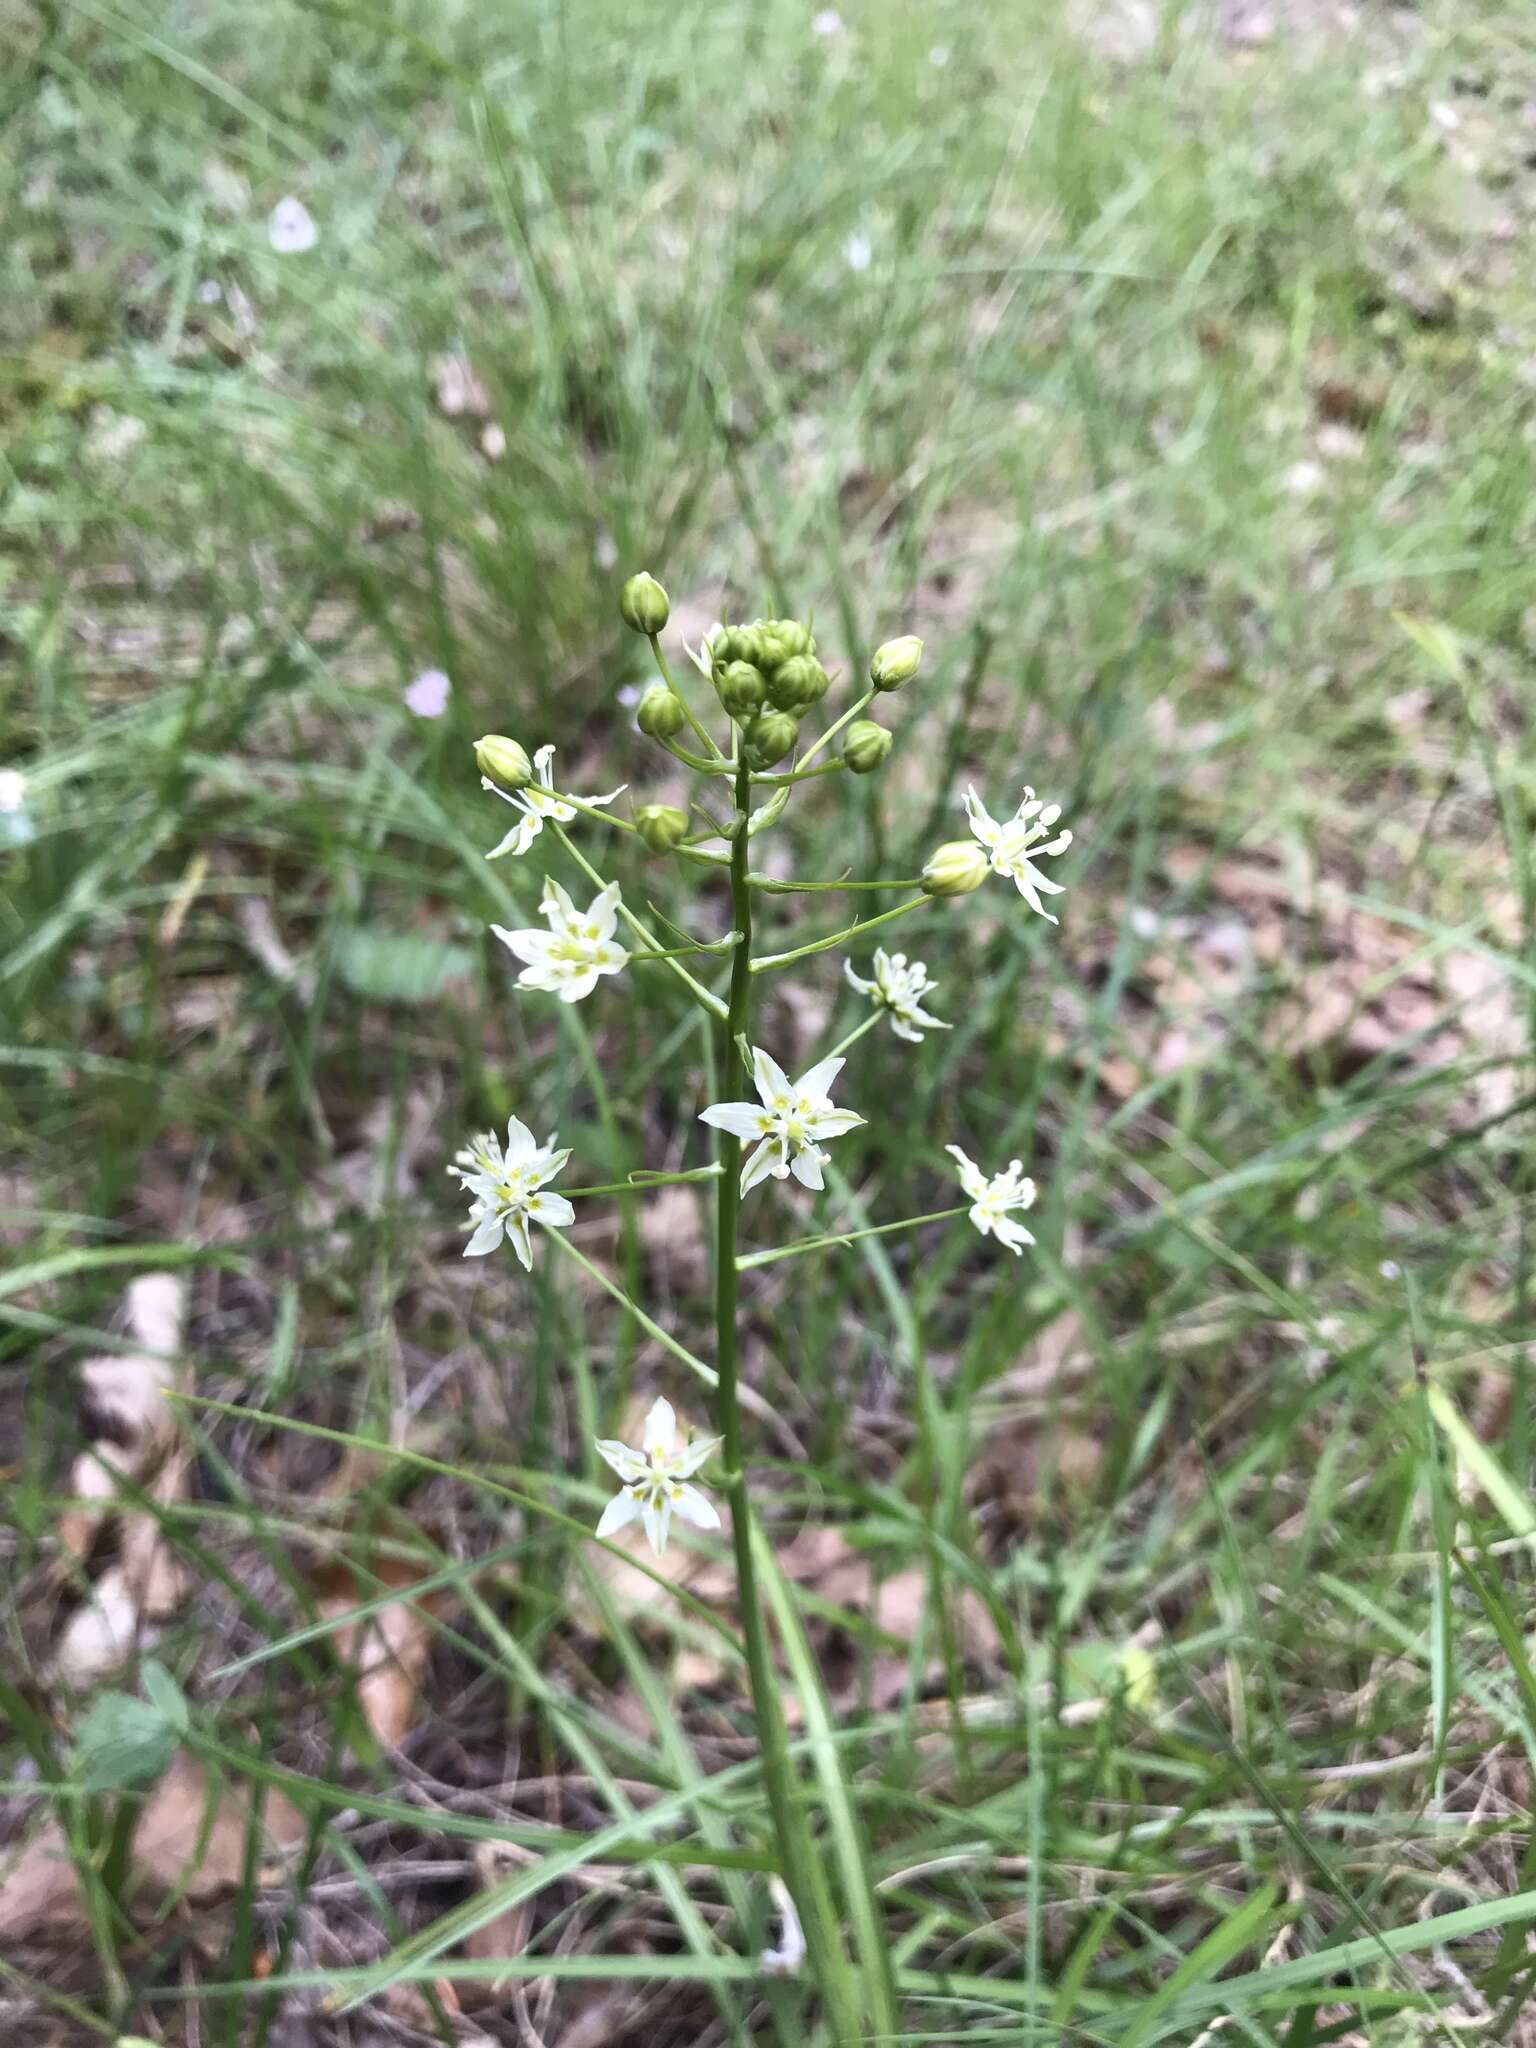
<point x="740" y="687"/>
<point x="503" y="761"/>
<point x="661" y="827"/>
<point x="661" y="713"/>
<point x="643" y="604"/>
<point x="866" y="746"/>
<point x="793" y="637"/>
<point x="770" y="737"/>
<point x="749" y="643"/>
<point x="955" y="869"/>
<point x="896" y="662"/>
<point x="797" y="683"/>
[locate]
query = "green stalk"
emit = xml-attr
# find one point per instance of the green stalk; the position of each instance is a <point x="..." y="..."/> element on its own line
<point x="703" y="731"/>
<point x="700" y="994"/>
<point x="841" y="938"/>
<point x="778" y="1772"/>
<point x="753" y="1260"/>
<point x="856" y="1033"/>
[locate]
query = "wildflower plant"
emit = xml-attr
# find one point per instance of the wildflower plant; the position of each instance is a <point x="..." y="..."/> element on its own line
<point x="767" y="680"/>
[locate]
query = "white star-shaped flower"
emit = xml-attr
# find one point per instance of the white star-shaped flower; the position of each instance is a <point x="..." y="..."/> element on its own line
<point x="578" y="947"/>
<point x="538" y="802"/>
<point x="899" y="987"/>
<point x="787" y="1121"/>
<point x="508" y="1189"/>
<point x="1014" y="847"/>
<point x="991" y="1199"/>
<point x="655" y="1480"/>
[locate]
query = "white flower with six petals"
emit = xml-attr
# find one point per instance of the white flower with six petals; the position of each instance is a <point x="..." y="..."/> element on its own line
<point x="899" y="987"/>
<point x="1014" y="846"/>
<point x="538" y="802"/>
<point x="578" y="947"/>
<point x="508" y="1189"/>
<point x="655" y="1480"/>
<point x="991" y="1199"/>
<point x="786" y="1122"/>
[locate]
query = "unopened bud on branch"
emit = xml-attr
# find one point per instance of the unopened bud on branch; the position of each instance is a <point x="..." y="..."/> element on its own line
<point x="503" y="761"/>
<point x="797" y="683"/>
<point x="955" y="869"/>
<point x="741" y="688"/>
<point x="896" y="662"/>
<point x="661" y="713"/>
<point x="643" y="604"/>
<point x="661" y="827"/>
<point x="866" y="746"/>
<point x="770" y="737"/>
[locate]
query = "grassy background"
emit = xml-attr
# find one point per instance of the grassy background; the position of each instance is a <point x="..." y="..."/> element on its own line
<point x="1166" y="374"/>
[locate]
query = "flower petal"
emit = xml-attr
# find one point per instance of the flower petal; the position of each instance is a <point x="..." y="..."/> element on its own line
<point x="818" y="1081"/>
<point x="531" y="946"/>
<point x="604" y="912"/>
<point x="690" y="1505"/>
<point x="656" y="1515"/>
<point x="520" y="838"/>
<point x="556" y="906"/>
<point x="628" y="1463"/>
<point x="983" y="824"/>
<point x="972" y="1179"/>
<point x="660" y="1432"/>
<point x="741" y="1119"/>
<point x="865" y="988"/>
<point x="832" y="1123"/>
<point x="769" y="1078"/>
<point x="576" y="983"/>
<point x="1012" y="1234"/>
<point x="543" y="762"/>
<point x="619" y="1513"/>
<point x="552" y="1210"/>
<point x="521" y="1143"/>
<point x="767" y="1159"/>
<point x="548" y="1161"/>
<point x="487" y="1235"/>
<point x="517" y="1233"/>
<point x="698" y="1453"/>
<point x="805" y="1165"/>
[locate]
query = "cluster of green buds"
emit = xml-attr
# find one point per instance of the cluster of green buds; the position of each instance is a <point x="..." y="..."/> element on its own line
<point x="766" y="676"/>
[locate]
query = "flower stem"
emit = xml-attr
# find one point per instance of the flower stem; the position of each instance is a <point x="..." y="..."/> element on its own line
<point x="682" y="952"/>
<point x="816" y="746"/>
<point x="697" y="989"/>
<point x="771" y="887"/>
<point x="857" y="1033"/>
<point x="818" y="1244"/>
<point x="868" y="924"/>
<point x="788" y="776"/>
<point x="778" y="1773"/>
<point x="663" y="1337"/>
<point x="642" y="1179"/>
<point x="666" y="676"/>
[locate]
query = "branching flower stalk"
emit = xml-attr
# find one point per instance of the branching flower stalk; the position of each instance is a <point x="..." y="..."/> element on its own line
<point x="766" y="677"/>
